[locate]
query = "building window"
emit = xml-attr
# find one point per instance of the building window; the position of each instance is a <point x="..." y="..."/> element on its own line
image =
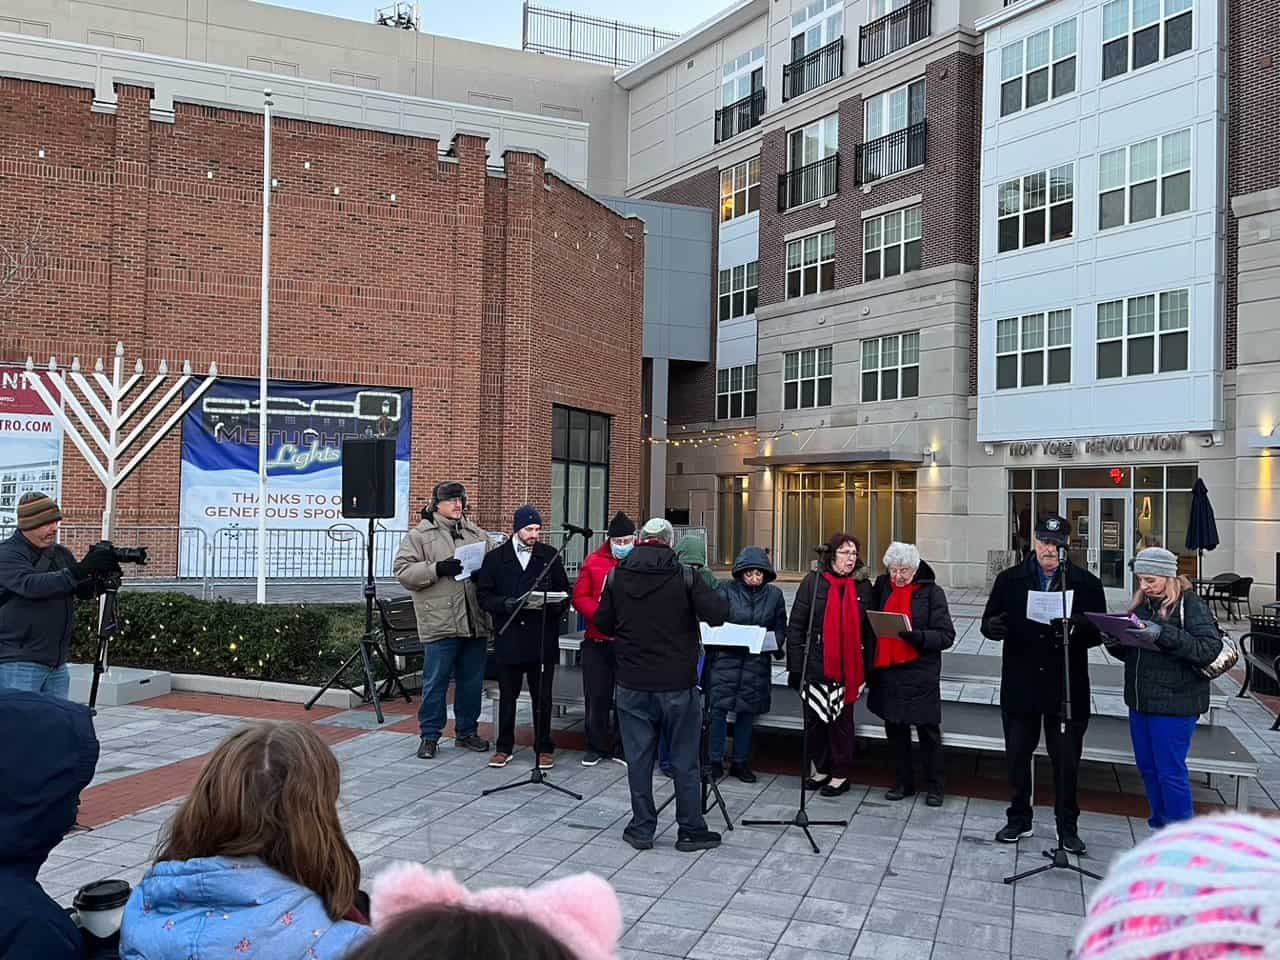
<point x="815" y="25"/>
<point x="891" y="368"/>
<point x="894" y="132"/>
<point x="1144" y="335"/>
<point x="806" y="379"/>
<point x="1138" y="33"/>
<point x="579" y="474"/>
<point x="811" y="264"/>
<point x="739" y="290"/>
<point x="1144" y="181"/>
<point x="731" y="518"/>
<point x="807" y="177"/>
<point x="1036" y="209"/>
<point x="891" y="244"/>
<point x="894" y="110"/>
<point x="742" y="77"/>
<point x="877" y="507"/>
<point x="1040" y="68"/>
<point x="1028" y="356"/>
<point x="736" y="392"/>
<point x="740" y="189"/>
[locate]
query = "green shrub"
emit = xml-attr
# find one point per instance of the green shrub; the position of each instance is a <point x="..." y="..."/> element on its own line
<point x="182" y="634"/>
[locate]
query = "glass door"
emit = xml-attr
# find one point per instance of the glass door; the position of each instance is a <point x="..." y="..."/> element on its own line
<point x="1100" y="540"/>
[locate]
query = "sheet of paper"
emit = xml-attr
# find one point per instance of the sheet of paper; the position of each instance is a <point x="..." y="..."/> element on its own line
<point x="1045" y="607"/>
<point x="471" y="555"/>
<point x="734" y="635"/>
<point x="770" y="642"/>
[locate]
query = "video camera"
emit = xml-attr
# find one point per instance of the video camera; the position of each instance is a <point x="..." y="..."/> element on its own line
<point x="109" y="579"/>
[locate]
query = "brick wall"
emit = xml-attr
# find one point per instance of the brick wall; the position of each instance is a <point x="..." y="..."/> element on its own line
<point x="1253" y="152"/>
<point x="447" y="291"/>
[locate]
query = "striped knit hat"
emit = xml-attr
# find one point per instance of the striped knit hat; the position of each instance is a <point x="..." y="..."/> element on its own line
<point x="1205" y="889"/>
<point x="37" y="509"/>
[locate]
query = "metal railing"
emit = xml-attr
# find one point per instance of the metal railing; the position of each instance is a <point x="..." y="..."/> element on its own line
<point x="892" y="153"/>
<point x="739" y="116"/>
<point x="813" y="70"/>
<point x="563" y="33"/>
<point x="811" y="182"/>
<point x="895" y="30"/>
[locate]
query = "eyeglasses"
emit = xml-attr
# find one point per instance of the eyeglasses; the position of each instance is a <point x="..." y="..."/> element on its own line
<point x="849" y="552"/>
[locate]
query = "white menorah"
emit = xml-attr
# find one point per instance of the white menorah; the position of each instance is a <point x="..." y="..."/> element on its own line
<point x="109" y="399"/>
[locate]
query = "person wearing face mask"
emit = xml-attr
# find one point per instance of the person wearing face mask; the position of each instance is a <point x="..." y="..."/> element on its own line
<point x="1163" y="687"/>
<point x="599" y="663"/>
<point x="1031" y="681"/>
<point x="530" y="644"/>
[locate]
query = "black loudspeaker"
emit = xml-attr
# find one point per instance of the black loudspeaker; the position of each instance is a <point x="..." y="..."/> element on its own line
<point x="368" y="478"/>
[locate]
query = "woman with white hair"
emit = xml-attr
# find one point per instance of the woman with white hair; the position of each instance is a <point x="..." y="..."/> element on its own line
<point x="905" y="685"/>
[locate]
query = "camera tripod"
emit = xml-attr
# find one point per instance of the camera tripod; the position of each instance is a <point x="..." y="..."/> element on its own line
<point x="107" y="625"/>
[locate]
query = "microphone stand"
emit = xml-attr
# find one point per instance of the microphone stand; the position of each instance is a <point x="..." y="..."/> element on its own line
<point x="801" y="818"/>
<point x="1058" y="856"/>
<point x="542" y="704"/>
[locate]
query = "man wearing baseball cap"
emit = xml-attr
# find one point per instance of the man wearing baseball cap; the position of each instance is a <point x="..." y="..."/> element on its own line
<point x="1031" y="680"/>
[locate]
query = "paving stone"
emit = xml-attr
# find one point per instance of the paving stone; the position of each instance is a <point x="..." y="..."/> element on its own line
<point x="832" y="912"/>
<point x="788" y="952"/>
<point x="884" y="946"/>
<point x="900" y="922"/>
<point x="660" y="938"/>
<point x="756" y="903"/>
<point x="719" y="946"/>
<point x="980" y="936"/>
<point x="756" y="927"/>
<point x="680" y="913"/>
<point x="819" y="936"/>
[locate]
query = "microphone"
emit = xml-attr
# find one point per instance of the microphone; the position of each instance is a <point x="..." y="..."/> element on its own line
<point x="822" y="549"/>
<point x="574" y="528"/>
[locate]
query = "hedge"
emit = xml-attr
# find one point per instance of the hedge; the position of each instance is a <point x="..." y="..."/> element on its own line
<point x="293" y="643"/>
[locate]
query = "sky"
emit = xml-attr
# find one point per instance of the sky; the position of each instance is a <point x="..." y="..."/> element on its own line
<point x="498" y="21"/>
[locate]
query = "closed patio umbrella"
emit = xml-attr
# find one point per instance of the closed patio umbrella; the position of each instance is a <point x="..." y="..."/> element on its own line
<point x="1202" y="528"/>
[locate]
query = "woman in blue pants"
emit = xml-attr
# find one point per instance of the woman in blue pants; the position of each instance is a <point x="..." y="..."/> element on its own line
<point x="1163" y="686"/>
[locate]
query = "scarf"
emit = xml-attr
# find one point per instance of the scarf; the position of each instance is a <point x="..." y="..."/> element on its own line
<point x="842" y="636"/>
<point x="891" y="651"/>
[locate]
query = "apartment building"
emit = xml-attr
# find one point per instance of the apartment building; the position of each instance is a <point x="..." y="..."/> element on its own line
<point x="838" y="142"/>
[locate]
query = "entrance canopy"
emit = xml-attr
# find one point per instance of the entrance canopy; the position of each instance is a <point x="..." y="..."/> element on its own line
<point x="836" y="456"/>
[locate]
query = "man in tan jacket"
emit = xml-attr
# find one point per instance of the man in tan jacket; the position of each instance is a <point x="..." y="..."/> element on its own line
<point x="451" y="625"/>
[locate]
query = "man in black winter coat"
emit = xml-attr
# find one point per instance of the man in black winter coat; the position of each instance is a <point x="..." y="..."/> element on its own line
<point x="651" y="607"/>
<point x="1031" y="681"/>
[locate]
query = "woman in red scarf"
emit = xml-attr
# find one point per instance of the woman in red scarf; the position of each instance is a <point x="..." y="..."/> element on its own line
<point x="906" y="677"/>
<point x="834" y="599"/>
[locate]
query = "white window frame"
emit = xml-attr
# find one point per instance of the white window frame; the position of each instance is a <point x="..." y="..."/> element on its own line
<point x="882" y="8"/>
<point x="1044" y="191"/>
<point x="1128" y="10"/>
<point x="812" y="366"/>
<point x="735" y="383"/>
<point x="738" y="181"/>
<point x="824" y="16"/>
<point x="1060" y="44"/>
<point x="889" y="359"/>
<point x="737" y="285"/>
<point x="817" y="141"/>
<point x="737" y="70"/>
<point x="813" y="251"/>
<point x="1173" y="157"/>
<point x="1034" y="341"/>
<point x="881" y="106"/>
<point x="897" y="229"/>
<point x="1167" y="315"/>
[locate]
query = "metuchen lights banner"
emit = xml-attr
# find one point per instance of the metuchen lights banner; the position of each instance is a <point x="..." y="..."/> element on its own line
<point x="30" y="443"/>
<point x="307" y="425"/>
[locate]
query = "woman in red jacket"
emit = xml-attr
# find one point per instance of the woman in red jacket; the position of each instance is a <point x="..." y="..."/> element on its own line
<point x="598" y="665"/>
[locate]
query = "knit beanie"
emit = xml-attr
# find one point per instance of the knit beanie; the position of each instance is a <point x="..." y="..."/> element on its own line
<point x="658" y="529"/>
<point x="1204" y="889"/>
<point x="37" y="509"/>
<point x="526" y="515"/>
<point x="620" y="526"/>
<point x="1155" y="562"/>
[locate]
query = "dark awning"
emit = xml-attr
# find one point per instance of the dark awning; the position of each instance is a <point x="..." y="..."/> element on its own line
<point x="838" y="456"/>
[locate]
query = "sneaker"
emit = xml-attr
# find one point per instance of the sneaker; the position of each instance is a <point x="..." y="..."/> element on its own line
<point x="900" y="792"/>
<point x="1070" y="841"/>
<point x="546" y="761"/>
<point x="637" y="843"/>
<point x="689" y="841"/>
<point x="591" y="758"/>
<point x="621" y="761"/>
<point x="473" y="741"/>
<point x="499" y="759"/>
<point x="1013" y="832"/>
<point x="742" y="772"/>
<point x="933" y="799"/>
<point x="427" y="749"/>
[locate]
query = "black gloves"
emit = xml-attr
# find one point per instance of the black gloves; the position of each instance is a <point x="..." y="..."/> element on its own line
<point x="509" y="604"/>
<point x="448" y="568"/>
<point x="996" y="628"/>
<point x="793" y="680"/>
<point x="99" y="559"/>
<point x="913" y="637"/>
<point x="1149" y="631"/>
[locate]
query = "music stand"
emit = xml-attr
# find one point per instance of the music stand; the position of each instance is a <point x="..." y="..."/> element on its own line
<point x="542" y="706"/>
<point x="709" y="784"/>
<point x="1058" y="856"/>
<point x="801" y="818"/>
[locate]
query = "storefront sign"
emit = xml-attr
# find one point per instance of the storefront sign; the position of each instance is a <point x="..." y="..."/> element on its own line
<point x="1101" y="446"/>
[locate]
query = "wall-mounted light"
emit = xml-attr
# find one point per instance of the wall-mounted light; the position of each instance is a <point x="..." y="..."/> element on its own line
<point x="930" y="458"/>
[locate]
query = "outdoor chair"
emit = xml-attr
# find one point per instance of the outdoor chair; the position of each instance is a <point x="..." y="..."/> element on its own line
<point x="1238" y="596"/>
<point x="399" y="627"/>
<point x="1218" y="590"/>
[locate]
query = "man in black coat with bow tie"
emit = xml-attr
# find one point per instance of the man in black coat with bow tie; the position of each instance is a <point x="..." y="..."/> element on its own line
<point x="529" y="647"/>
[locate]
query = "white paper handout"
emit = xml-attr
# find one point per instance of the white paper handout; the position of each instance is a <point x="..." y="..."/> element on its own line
<point x="736" y="635"/>
<point x="471" y="556"/>
<point x="1045" y="607"/>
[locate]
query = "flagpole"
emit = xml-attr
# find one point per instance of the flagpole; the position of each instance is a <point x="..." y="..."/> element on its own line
<point x="262" y="346"/>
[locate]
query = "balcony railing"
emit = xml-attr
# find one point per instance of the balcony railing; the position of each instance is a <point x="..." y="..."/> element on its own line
<point x="811" y="182"/>
<point x="895" y="30"/>
<point x="813" y="70"/>
<point x="739" y="116"/>
<point x="892" y="153"/>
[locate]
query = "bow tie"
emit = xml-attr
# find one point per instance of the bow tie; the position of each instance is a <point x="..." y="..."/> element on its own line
<point x="523" y="547"/>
